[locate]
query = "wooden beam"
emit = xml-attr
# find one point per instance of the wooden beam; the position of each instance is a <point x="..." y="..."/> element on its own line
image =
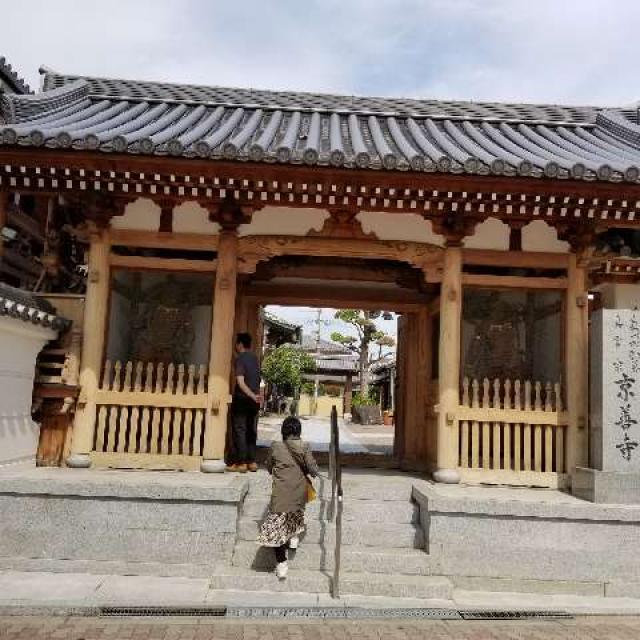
<point x="161" y="240"/>
<point x="513" y="282"/>
<point x="319" y="296"/>
<point x="523" y="259"/>
<point x="143" y="263"/>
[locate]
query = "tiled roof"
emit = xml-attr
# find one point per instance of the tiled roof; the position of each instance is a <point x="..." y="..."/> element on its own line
<point x="11" y="78"/>
<point x="311" y="343"/>
<point x="327" y="130"/>
<point x="24" y="306"/>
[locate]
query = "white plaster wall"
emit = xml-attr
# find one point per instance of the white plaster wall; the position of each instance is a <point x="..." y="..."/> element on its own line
<point x="408" y="227"/>
<point x="490" y="234"/>
<point x="286" y="221"/>
<point x="539" y="236"/>
<point x="20" y="344"/>
<point x="191" y="217"/>
<point x="620" y="295"/>
<point x="141" y="215"/>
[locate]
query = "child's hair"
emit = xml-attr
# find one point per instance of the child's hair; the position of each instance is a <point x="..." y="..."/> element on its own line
<point x="291" y="427"/>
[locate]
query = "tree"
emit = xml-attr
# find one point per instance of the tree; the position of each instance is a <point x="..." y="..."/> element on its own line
<point x="368" y="334"/>
<point x="283" y="367"/>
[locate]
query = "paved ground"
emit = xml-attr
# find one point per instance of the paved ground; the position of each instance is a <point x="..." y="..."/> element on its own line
<point x="316" y="431"/>
<point x="31" y="628"/>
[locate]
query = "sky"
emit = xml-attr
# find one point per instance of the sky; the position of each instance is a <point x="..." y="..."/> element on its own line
<point x="555" y="51"/>
<point x="550" y="51"/>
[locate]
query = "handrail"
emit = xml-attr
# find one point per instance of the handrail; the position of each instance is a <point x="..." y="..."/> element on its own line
<point x="335" y="513"/>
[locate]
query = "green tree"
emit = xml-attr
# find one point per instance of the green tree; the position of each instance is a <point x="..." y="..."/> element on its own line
<point x="368" y="335"/>
<point x="283" y="366"/>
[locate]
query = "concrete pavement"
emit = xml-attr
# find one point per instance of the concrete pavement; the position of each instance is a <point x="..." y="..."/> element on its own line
<point x="65" y="592"/>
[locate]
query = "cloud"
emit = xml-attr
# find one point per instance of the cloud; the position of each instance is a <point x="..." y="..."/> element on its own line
<point x="574" y="51"/>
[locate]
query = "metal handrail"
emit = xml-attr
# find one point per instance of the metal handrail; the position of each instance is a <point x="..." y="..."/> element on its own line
<point x="335" y="506"/>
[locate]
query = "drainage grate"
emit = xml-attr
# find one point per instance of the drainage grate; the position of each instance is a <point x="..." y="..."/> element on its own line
<point x="150" y="612"/>
<point x="352" y="613"/>
<point x="515" y="615"/>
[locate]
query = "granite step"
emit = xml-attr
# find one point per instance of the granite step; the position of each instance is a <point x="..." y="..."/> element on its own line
<point x="379" y="489"/>
<point x="367" y="584"/>
<point x="369" y="511"/>
<point x="387" y="535"/>
<point x="415" y="562"/>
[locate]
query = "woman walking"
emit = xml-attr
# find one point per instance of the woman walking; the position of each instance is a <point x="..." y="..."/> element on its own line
<point x="290" y="463"/>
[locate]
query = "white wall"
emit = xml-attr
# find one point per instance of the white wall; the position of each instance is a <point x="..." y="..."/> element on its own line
<point x="407" y="227"/>
<point x="140" y="215"/>
<point x="20" y="343"/>
<point x="286" y="221"/>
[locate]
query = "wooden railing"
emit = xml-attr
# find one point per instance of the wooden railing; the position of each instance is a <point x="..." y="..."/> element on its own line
<point x="512" y="432"/>
<point x="150" y="415"/>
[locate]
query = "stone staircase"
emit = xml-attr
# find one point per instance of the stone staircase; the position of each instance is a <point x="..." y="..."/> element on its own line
<point x="382" y="543"/>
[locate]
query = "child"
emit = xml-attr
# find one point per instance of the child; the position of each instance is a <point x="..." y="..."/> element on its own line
<point x="289" y="462"/>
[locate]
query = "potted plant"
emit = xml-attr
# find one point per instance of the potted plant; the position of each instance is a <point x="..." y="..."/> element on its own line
<point x="365" y="409"/>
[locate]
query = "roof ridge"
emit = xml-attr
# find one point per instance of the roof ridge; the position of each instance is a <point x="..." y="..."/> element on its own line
<point x="12" y="76"/>
<point x="53" y="78"/>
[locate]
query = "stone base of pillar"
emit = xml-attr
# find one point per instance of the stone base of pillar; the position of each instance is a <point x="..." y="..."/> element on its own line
<point x="212" y="466"/>
<point x="446" y="476"/>
<point x="79" y="461"/>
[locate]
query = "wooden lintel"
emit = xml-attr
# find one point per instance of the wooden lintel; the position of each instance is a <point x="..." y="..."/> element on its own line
<point x="522" y="259"/>
<point x="309" y="296"/>
<point x="513" y="282"/>
<point x="161" y="240"/>
<point x="168" y="264"/>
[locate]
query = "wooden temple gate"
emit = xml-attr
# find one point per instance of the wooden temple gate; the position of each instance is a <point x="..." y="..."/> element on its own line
<point x="447" y="168"/>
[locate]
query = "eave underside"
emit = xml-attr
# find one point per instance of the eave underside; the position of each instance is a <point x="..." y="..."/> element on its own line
<point x="254" y="185"/>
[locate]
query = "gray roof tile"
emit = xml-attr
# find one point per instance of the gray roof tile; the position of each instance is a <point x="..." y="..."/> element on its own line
<point x="24" y="306"/>
<point x="303" y="128"/>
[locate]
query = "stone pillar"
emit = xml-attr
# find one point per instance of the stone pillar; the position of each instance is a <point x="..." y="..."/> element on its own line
<point x="576" y="365"/>
<point x="96" y="310"/>
<point x="449" y="377"/>
<point x="221" y="352"/>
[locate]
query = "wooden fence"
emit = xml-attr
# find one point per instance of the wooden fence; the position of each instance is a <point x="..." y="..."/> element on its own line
<point x="150" y="415"/>
<point x="512" y="433"/>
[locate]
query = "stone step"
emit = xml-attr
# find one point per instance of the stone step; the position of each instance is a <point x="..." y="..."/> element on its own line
<point x="388" y="535"/>
<point x="415" y="562"/>
<point x="399" y="512"/>
<point x="366" y="584"/>
<point x="355" y="487"/>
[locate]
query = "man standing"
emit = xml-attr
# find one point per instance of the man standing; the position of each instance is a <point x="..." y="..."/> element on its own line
<point x="244" y="407"/>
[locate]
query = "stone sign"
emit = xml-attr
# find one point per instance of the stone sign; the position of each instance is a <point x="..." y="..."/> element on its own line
<point x="613" y="475"/>
<point x="615" y="390"/>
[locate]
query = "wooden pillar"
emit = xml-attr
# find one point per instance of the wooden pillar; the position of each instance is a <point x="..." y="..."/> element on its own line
<point x="576" y="364"/>
<point x="96" y="309"/>
<point x="4" y="205"/>
<point x="221" y="352"/>
<point x="423" y="348"/>
<point x="449" y="378"/>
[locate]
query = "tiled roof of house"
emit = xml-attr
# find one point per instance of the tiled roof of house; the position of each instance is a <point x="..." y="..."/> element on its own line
<point x="10" y="78"/>
<point x="311" y="343"/>
<point x="24" y="306"/>
<point x="154" y="118"/>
